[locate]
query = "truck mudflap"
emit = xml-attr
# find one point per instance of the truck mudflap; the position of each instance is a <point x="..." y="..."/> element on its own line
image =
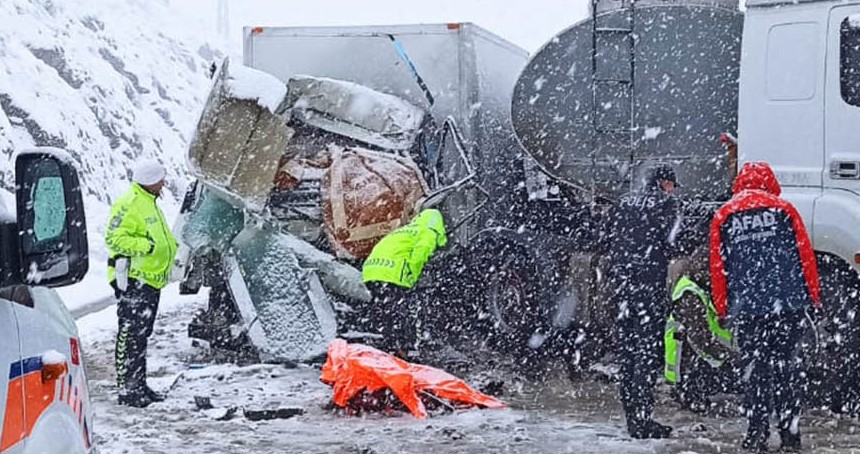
<point x="284" y="309"/>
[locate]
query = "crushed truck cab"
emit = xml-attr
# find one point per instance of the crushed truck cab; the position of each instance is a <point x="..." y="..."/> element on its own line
<point x="352" y="131"/>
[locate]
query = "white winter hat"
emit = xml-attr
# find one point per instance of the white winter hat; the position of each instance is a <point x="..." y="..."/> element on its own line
<point x="148" y="173"/>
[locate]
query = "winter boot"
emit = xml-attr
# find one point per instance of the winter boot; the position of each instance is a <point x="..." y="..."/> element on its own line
<point x="153" y="395"/>
<point x="641" y="429"/>
<point x="134" y="399"/>
<point x="657" y="430"/>
<point x="756" y="441"/>
<point x="790" y="441"/>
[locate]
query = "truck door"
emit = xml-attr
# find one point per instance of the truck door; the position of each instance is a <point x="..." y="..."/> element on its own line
<point x="11" y="384"/>
<point x="842" y="105"/>
<point x="837" y="211"/>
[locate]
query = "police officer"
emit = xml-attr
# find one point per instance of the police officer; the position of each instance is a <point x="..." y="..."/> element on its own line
<point x="639" y="240"/>
<point x="391" y="272"/>
<point x="141" y="252"/>
<point x="765" y="278"/>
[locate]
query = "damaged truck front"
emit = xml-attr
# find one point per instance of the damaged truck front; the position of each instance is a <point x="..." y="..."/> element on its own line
<point x="326" y="140"/>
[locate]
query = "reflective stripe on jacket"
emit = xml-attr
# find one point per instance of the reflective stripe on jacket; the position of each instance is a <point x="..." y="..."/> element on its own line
<point x="674" y="348"/>
<point x="400" y="256"/>
<point x="137" y="229"/>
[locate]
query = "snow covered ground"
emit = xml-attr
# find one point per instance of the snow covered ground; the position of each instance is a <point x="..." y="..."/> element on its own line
<point x="555" y="417"/>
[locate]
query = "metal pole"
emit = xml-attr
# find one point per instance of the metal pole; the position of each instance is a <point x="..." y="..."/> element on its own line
<point x="224" y="20"/>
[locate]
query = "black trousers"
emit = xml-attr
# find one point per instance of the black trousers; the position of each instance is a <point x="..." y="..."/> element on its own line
<point x="391" y="314"/>
<point x="643" y="308"/>
<point x="136" y="312"/>
<point x="773" y="370"/>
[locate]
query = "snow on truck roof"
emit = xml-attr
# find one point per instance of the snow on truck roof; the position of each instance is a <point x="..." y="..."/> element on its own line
<point x="458" y="28"/>
<point x="251" y="84"/>
<point x="355" y="111"/>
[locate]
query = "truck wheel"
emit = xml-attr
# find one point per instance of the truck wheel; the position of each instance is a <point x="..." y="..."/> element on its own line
<point x="509" y="297"/>
<point x="833" y="370"/>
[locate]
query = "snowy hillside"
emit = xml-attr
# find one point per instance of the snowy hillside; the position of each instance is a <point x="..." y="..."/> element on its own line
<point x="111" y="81"/>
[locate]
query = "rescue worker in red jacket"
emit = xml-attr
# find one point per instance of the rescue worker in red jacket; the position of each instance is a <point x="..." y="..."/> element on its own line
<point x="764" y="280"/>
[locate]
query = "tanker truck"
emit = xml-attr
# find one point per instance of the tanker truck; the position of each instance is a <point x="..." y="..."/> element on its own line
<point x="525" y="154"/>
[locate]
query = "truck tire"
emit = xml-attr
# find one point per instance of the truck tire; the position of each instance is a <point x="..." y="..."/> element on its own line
<point x="508" y="300"/>
<point x="834" y="371"/>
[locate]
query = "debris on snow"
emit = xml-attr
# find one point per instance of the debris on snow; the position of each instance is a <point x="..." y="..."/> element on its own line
<point x="652" y="132"/>
<point x="266" y="415"/>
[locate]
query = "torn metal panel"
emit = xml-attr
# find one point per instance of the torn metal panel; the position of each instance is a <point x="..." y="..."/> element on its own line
<point x="355" y="111"/>
<point x="286" y="312"/>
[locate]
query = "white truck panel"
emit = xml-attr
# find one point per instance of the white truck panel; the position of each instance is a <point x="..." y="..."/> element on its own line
<point x="792" y="114"/>
<point x="780" y="107"/>
<point x="842" y="114"/>
<point x="325" y="52"/>
<point x="837" y="217"/>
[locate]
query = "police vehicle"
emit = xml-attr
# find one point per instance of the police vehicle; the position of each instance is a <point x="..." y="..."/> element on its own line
<point x="44" y="401"/>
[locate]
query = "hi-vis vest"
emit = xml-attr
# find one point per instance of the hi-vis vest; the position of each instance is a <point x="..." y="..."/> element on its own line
<point x="674" y="347"/>
<point x="400" y="256"/>
<point x="138" y="230"/>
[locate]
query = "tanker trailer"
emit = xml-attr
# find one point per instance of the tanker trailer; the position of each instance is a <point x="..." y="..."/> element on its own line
<point x="626" y="88"/>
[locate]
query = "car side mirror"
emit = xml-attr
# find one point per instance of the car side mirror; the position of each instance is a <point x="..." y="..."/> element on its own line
<point x="52" y="228"/>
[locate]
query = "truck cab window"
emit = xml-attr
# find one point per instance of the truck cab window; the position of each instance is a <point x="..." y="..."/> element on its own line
<point x="849" y="59"/>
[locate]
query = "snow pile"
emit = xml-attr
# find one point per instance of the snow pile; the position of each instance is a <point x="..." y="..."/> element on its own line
<point x="77" y="77"/>
<point x="53" y="357"/>
<point x="111" y="82"/>
<point x="254" y="85"/>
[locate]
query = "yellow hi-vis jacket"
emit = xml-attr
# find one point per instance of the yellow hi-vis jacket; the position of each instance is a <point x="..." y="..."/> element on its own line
<point x="400" y="256"/>
<point x="137" y="230"/>
<point x="674" y="347"/>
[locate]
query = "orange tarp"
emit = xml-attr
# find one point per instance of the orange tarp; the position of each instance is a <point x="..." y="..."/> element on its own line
<point x="353" y="368"/>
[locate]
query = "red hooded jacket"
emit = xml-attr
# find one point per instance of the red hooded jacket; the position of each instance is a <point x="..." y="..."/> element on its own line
<point x="761" y="256"/>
